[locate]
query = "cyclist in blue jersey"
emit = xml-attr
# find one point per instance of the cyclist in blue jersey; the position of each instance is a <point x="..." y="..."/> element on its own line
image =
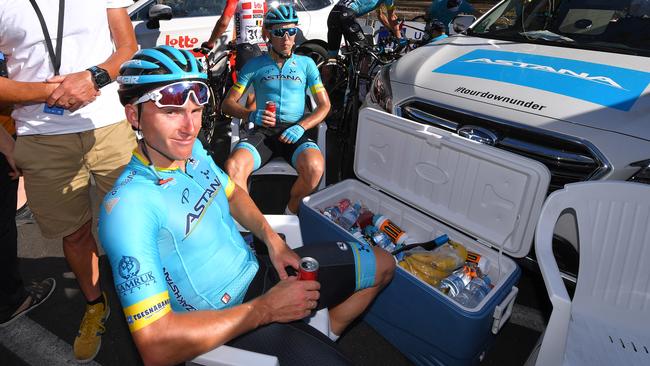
<point x="284" y="78"/>
<point x="186" y="279"/>
<point x="446" y="10"/>
<point x="342" y="21"/>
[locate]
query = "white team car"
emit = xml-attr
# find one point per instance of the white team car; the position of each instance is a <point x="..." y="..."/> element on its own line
<point x="191" y="21"/>
<point x="566" y="83"/>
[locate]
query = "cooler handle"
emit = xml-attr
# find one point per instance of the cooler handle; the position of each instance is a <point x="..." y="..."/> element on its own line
<point x="503" y="311"/>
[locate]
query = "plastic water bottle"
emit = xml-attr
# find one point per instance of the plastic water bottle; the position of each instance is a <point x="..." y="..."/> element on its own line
<point x="455" y="282"/>
<point x="475" y="291"/>
<point x="397" y="235"/>
<point x="356" y="232"/>
<point x="350" y="216"/>
<point x="333" y="213"/>
<point x="379" y="238"/>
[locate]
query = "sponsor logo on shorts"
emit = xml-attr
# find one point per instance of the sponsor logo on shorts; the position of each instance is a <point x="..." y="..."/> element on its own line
<point x="177" y="292"/>
<point x="129" y="269"/>
<point x="342" y="245"/>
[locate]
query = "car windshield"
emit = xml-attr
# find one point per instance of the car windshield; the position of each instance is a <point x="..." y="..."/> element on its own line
<point x="621" y="26"/>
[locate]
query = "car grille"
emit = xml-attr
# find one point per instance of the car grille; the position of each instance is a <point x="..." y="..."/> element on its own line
<point x="568" y="160"/>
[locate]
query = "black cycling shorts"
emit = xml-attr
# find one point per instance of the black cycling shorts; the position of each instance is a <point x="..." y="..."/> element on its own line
<point x="342" y="21"/>
<point x="297" y="343"/>
<point x="264" y="144"/>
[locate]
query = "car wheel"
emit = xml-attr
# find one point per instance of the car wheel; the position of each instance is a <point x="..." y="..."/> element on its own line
<point x="317" y="52"/>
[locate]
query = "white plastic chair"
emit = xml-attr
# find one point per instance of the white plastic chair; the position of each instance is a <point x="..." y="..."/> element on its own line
<point x="608" y="320"/>
<point x="231" y="356"/>
<point x="277" y="166"/>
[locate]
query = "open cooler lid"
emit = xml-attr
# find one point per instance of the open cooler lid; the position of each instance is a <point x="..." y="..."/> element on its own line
<point x="472" y="187"/>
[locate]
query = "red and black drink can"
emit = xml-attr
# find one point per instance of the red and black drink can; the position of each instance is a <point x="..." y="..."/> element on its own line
<point x="270" y="106"/>
<point x="308" y="269"/>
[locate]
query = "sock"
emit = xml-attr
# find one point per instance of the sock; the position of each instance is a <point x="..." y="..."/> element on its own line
<point x="333" y="336"/>
<point x="98" y="300"/>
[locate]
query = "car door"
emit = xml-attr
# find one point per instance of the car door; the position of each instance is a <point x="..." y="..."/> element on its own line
<point x="191" y="24"/>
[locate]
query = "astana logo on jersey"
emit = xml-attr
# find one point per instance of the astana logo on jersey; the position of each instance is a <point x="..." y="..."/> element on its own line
<point x="129" y="270"/>
<point x="194" y="218"/>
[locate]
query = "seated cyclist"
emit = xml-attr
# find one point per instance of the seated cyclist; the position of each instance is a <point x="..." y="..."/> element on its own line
<point x="283" y="78"/>
<point x="342" y="21"/>
<point x="187" y="280"/>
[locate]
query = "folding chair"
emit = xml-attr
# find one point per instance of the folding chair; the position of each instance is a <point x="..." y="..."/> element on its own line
<point x="608" y="320"/>
<point x="231" y="356"/>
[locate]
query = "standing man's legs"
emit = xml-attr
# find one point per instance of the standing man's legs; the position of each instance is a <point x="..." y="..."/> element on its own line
<point x="57" y="181"/>
<point x="15" y="299"/>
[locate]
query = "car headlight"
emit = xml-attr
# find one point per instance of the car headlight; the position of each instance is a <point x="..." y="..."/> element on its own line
<point x="643" y="174"/>
<point x="380" y="91"/>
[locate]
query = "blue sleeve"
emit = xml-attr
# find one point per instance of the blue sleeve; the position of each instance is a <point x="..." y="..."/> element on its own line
<point x="389" y="4"/>
<point x="199" y="151"/>
<point x="314" y="82"/>
<point x="466" y="8"/>
<point x="129" y="225"/>
<point x="245" y="76"/>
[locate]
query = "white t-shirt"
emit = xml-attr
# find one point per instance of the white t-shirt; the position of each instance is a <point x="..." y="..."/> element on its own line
<point x="86" y="42"/>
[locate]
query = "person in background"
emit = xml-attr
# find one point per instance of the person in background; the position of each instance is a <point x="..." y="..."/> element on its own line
<point x="435" y="30"/>
<point x="70" y="125"/>
<point x="342" y="21"/>
<point x="446" y="10"/>
<point x="16" y="299"/>
<point x="283" y="78"/>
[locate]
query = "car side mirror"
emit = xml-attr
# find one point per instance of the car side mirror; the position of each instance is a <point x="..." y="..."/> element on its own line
<point x="157" y="13"/>
<point x="461" y="23"/>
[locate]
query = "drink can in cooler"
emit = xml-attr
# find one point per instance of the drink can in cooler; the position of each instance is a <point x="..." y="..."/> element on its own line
<point x="308" y="269"/>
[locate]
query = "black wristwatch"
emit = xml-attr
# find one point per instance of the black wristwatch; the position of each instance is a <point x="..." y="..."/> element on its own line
<point x="100" y="76"/>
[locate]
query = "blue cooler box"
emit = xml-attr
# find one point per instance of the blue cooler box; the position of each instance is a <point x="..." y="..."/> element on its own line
<point x="431" y="182"/>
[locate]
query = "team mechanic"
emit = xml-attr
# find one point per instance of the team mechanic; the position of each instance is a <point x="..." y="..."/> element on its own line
<point x="186" y="279"/>
<point x="282" y="77"/>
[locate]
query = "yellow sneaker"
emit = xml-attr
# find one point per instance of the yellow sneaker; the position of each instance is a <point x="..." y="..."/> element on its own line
<point x="89" y="338"/>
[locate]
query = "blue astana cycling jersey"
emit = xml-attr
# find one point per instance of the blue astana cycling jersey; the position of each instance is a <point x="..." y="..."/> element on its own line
<point x="286" y="87"/>
<point x="174" y="245"/>
<point x="361" y="7"/>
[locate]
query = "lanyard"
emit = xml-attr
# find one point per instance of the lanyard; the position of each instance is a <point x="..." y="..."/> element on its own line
<point x="54" y="57"/>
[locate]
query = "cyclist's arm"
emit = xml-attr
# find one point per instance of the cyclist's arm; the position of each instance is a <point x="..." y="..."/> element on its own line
<point x="21" y="92"/>
<point x="320" y="95"/>
<point x="318" y="115"/>
<point x="244" y="210"/>
<point x="222" y="23"/>
<point x="231" y="104"/>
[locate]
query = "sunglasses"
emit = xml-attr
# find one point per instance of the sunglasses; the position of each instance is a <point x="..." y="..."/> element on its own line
<point x="280" y="32"/>
<point x="176" y="94"/>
